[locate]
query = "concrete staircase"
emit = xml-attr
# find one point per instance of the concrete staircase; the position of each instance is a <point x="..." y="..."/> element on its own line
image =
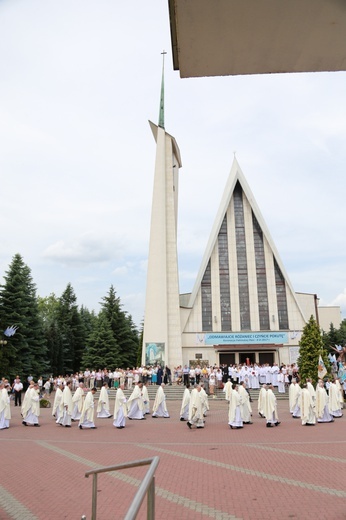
<point x="175" y="393"/>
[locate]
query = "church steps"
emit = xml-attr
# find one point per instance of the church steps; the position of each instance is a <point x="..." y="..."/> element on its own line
<point x="175" y="393"/>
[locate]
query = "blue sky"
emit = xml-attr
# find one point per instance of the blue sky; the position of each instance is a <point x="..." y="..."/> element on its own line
<point x="79" y="81"/>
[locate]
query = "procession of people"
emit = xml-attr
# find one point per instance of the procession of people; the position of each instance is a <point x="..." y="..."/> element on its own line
<point x="74" y="398"/>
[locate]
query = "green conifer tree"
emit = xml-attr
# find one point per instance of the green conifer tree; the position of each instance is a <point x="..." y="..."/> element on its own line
<point x="26" y="352"/>
<point x="124" y="330"/>
<point x="71" y="328"/>
<point x="310" y="348"/>
<point x="49" y="312"/>
<point x="102" y="349"/>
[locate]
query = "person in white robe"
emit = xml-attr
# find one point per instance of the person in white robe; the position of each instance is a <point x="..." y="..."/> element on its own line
<point x="103" y="404"/>
<point x="293" y="397"/>
<point x="66" y="407"/>
<point x="274" y="372"/>
<point x="254" y="377"/>
<point x="262" y="375"/>
<point x="334" y="400"/>
<point x="87" y="417"/>
<point x="57" y="402"/>
<point x="270" y="410"/>
<point x="269" y="375"/>
<point x="78" y="399"/>
<point x="311" y="389"/>
<point x="341" y="392"/>
<point x="31" y="412"/>
<point x="245" y="406"/>
<point x="261" y="401"/>
<point x="234" y="414"/>
<point x="135" y="404"/>
<point x="227" y="389"/>
<point x="5" y="409"/>
<point x="146" y="400"/>
<point x="204" y="399"/>
<point x="195" y="409"/>
<point x="184" y="410"/>
<point x="27" y="396"/>
<point x="307" y="407"/>
<point x="159" y="406"/>
<point x="120" y="409"/>
<point x="322" y="410"/>
<point x="281" y="382"/>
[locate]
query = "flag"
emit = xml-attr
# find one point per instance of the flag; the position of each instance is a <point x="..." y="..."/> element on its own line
<point x="321" y="368"/>
<point x="10" y="331"/>
<point x="332" y="358"/>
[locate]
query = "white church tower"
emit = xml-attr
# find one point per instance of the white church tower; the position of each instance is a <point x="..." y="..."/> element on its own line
<point x="162" y="330"/>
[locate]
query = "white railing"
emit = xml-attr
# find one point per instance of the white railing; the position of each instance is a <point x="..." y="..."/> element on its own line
<point x="147" y="487"/>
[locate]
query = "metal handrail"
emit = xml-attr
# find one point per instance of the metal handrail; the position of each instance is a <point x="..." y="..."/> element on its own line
<point x="147" y="487"/>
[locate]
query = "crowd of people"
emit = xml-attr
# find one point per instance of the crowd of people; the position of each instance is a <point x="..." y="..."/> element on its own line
<point x="74" y="395"/>
<point x="322" y="404"/>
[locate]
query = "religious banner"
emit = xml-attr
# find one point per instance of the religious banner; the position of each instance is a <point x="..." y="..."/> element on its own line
<point x="321" y="368"/>
<point x="246" y="338"/>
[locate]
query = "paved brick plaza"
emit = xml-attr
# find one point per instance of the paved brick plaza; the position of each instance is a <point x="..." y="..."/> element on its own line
<point x="288" y="472"/>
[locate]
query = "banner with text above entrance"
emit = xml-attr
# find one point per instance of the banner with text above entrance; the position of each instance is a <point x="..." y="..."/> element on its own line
<point x="246" y="338"/>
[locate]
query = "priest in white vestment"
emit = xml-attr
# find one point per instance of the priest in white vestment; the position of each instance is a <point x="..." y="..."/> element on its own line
<point x="204" y="399"/>
<point x="245" y="406"/>
<point x="281" y="382"/>
<point x="334" y="400"/>
<point x="184" y="410"/>
<point x="270" y="409"/>
<point x="31" y="411"/>
<point x="5" y="410"/>
<point x="274" y="372"/>
<point x="261" y="401"/>
<point x="120" y="409"/>
<point x="254" y="377"/>
<point x="135" y="404"/>
<point x="66" y="407"/>
<point x="307" y="407"/>
<point x="195" y="409"/>
<point x="103" y="404"/>
<point x="293" y="397"/>
<point x="78" y="400"/>
<point x="57" y="402"/>
<point x="322" y="410"/>
<point x="341" y="392"/>
<point x="27" y="396"/>
<point x="227" y="389"/>
<point x="87" y="417"/>
<point x="146" y="400"/>
<point x="311" y="389"/>
<point x="159" y="406"/>
<point x="234" y="415"/>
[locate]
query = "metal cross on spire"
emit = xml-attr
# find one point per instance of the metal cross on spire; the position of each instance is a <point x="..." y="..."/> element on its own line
<point x="162" y="97"/>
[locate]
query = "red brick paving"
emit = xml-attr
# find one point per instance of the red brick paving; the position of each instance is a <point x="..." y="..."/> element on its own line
<point x="212" y="473"/>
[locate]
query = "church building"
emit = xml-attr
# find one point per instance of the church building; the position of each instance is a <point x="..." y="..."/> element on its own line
<point x="242" y="308"/>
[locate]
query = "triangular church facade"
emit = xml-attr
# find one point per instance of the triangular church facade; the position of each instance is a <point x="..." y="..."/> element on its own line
<point x="243" y="305"/>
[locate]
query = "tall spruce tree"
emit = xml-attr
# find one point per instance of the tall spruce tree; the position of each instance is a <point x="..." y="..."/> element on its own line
<point x="49" y="312"/>
<point x="73" y="340"/>
<point x="102" y="350"/>
<point x="26" y="352"/>
<point x="123" y="328"/>
<point x="310" y="348"/>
